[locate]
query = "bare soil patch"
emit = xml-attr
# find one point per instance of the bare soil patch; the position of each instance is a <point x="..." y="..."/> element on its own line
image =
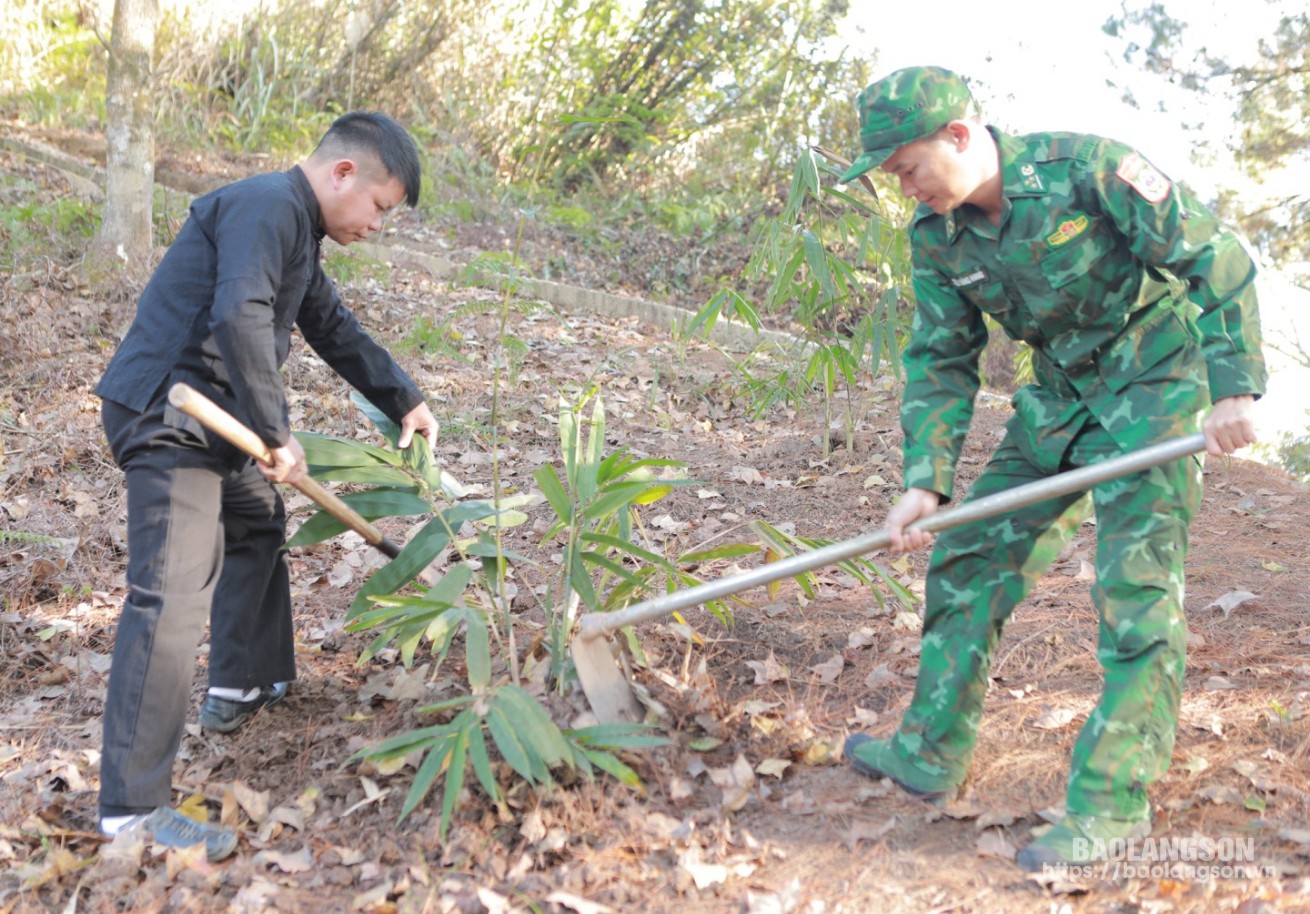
<point x="749" y="808"/>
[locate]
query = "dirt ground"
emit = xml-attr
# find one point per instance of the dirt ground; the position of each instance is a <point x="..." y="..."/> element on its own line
<point x="749" y="808"/>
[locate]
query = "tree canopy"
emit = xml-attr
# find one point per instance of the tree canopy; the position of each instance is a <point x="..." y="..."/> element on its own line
<point x="1270" y="86"/>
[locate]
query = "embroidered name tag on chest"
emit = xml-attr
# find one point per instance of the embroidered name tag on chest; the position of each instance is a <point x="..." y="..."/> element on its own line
<point x="1067" y="231"/>
<point x="969" y="279"/>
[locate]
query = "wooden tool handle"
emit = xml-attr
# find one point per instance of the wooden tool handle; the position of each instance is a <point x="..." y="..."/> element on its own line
<point x="222" y="423"/>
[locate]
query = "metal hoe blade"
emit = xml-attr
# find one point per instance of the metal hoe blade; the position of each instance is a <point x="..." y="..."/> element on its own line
<point x="608" y="690"/>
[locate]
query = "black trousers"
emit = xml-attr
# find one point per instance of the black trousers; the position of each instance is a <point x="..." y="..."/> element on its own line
<point x="204" y="533"/>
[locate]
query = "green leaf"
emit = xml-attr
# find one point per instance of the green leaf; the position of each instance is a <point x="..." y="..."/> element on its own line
<point x="427" y="773"/>
<point x="615" y="497"/>
<point x="372" y="475"/>
<point x="403" y="744"/>
<point x="548" y="480"/>
<point x="534" y="726"/>
<point x="477" y="649"/>
<point x="614" y="568"/>
<point x="619" y="543"/>
<point x="568" y="436"/>
<point x="438" y="707"/>
<point x="370" y="505"/>
<point x="580" y="581"/>
<point x="449" y="587"/>
<point x="330" y="451"/>
<point x="389" y="429"/>
<point x="482" y="763"/>
<point x="618" y="736"/>
<point x="728" y="551"/>
<point x="612" y="766"/>
<point x="511" y="750"/>
<point x="455" y="773"/>
<point x="418" y="553"/>
<point x="491" y="550"/>
<point x="816" y="258"/>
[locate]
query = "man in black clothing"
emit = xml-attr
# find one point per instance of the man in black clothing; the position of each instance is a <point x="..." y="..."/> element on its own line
<point x="205" y="525"/>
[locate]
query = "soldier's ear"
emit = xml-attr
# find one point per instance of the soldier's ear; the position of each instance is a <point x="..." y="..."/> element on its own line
<point x="960" y="134"/>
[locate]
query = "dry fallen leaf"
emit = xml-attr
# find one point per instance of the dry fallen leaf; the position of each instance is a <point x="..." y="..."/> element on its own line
<point x="581" y="905"/>
<point x="703" y="874"/>
<point x="993" y="843"/>
<point x="830" y="669"/>
<point x="863" y="717"/>
<point x="1054" y="719"/>
<point x="773" y="767"/>
<point x="736" y="782"/>
<point x="1231" y="600"/>
<point x="864" y="830"/>
<point x="783" y="902"/>
<point x="253" y="802"/>
<point x="1221" y="793"/>
<point x="768" y="670"/>
<point x="863" y="638"/>
<point x="748" y="475"/>
<point x="300" y="861"/>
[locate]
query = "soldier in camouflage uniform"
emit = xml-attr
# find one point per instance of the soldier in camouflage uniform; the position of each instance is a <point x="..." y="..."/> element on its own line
<point x="1141" y="312"/>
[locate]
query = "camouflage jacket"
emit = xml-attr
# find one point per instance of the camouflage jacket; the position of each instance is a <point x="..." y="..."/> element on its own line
<point x="1139" y="306"/>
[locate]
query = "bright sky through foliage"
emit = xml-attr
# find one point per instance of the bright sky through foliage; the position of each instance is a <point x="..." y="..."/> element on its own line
<point x="1038" y="66"/>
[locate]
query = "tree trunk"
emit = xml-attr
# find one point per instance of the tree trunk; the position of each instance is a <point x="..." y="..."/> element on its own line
<point x="125" y="232"/>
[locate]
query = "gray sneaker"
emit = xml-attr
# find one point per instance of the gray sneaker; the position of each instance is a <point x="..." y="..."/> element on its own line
<point x="226" y="714"/>
<point x="172" y="829"/>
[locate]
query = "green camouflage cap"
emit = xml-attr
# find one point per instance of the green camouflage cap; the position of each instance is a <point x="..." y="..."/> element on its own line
<point x="908" y="105"/>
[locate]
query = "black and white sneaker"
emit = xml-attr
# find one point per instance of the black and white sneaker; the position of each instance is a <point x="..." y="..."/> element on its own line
<point x="226" y="714"/>
<point x="170" y="828"/>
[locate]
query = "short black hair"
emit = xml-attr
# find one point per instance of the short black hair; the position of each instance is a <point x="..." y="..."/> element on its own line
<point x="379" y="134"/>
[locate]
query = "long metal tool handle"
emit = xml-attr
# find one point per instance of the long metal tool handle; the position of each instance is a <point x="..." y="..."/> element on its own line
<point x="213" y="417"/>
<point x="596" y="625"/>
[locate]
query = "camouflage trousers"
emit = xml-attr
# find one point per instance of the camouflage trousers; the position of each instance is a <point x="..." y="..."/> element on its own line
<point x="978" y="573"/>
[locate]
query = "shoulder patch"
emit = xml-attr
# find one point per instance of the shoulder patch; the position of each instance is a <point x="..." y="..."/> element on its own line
<point x="1143" y="177"/>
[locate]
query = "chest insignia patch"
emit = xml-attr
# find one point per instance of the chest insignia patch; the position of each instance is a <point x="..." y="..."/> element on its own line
<point x="1067" y="231"/>
<point x="1143" y="177"/>
<point x="968" y="279"/>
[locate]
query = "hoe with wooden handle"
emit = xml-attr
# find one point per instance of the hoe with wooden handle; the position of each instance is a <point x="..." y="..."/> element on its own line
<point x="225" y="425"/>
<point x="609" y="692"/>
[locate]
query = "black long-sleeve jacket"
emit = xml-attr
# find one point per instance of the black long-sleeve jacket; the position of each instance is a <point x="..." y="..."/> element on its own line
<point x="218" y="312"/>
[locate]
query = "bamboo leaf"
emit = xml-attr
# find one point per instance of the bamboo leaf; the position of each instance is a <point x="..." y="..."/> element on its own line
<point x="611" y="765"/>
<point x="580" y="581"/>
<point x="402" y="744"/>
<point x="389" y="429"/>
<point x="728" y="551"/>
<point x="371" y="475"/>
<point x="614" y="568"/>
<point x="455" y="775"/>
<point x="482" y="762"/>
<point x="551" y="487"/>
<point x="427" y="773"/>
<point x="619" y="543"/>
<point x="477" y="648"/>
<point x="615" y="497"/>
<point x="816" y="258"/>
<point x="511" y="750"/>
<point x="535" y="727"/>
<point x="329" y="451"/>
<point x="618" y="736"/>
